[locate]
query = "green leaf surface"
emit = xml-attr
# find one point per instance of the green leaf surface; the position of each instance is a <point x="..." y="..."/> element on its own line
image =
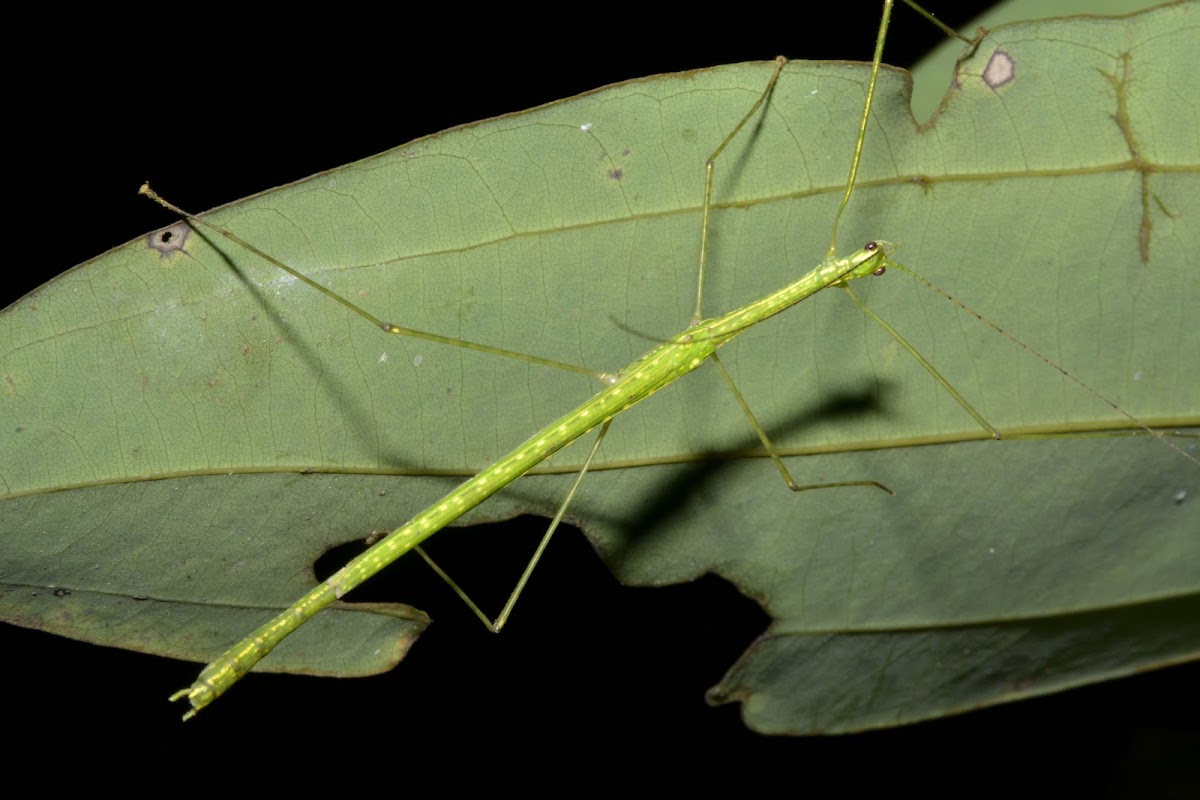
<point x="183" y="433"/>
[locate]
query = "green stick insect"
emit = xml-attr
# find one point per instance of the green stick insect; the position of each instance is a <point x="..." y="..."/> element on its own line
<point x="667" y="359"/>
<point x="657" y="369"/>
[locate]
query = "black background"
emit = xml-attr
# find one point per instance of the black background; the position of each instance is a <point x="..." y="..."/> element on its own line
<point x="588" y="675"/>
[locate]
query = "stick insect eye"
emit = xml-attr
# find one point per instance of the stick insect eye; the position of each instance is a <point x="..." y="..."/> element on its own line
<point x="879" y="271"/>
<point x="871" y="247"/>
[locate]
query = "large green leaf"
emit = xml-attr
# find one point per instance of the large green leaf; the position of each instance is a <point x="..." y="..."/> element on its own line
<point x="1001" y="569"/>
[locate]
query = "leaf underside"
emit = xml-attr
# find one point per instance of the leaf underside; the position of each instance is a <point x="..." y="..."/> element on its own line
<point x="184" y="430"/>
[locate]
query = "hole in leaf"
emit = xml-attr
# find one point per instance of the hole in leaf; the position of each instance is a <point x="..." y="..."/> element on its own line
<point x="575" y="627"/>
<point x="169" y="240"/>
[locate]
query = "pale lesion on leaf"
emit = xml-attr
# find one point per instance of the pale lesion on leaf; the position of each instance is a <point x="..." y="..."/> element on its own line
<point x="1000" y="70"/>
<point x="169" y="240"/>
